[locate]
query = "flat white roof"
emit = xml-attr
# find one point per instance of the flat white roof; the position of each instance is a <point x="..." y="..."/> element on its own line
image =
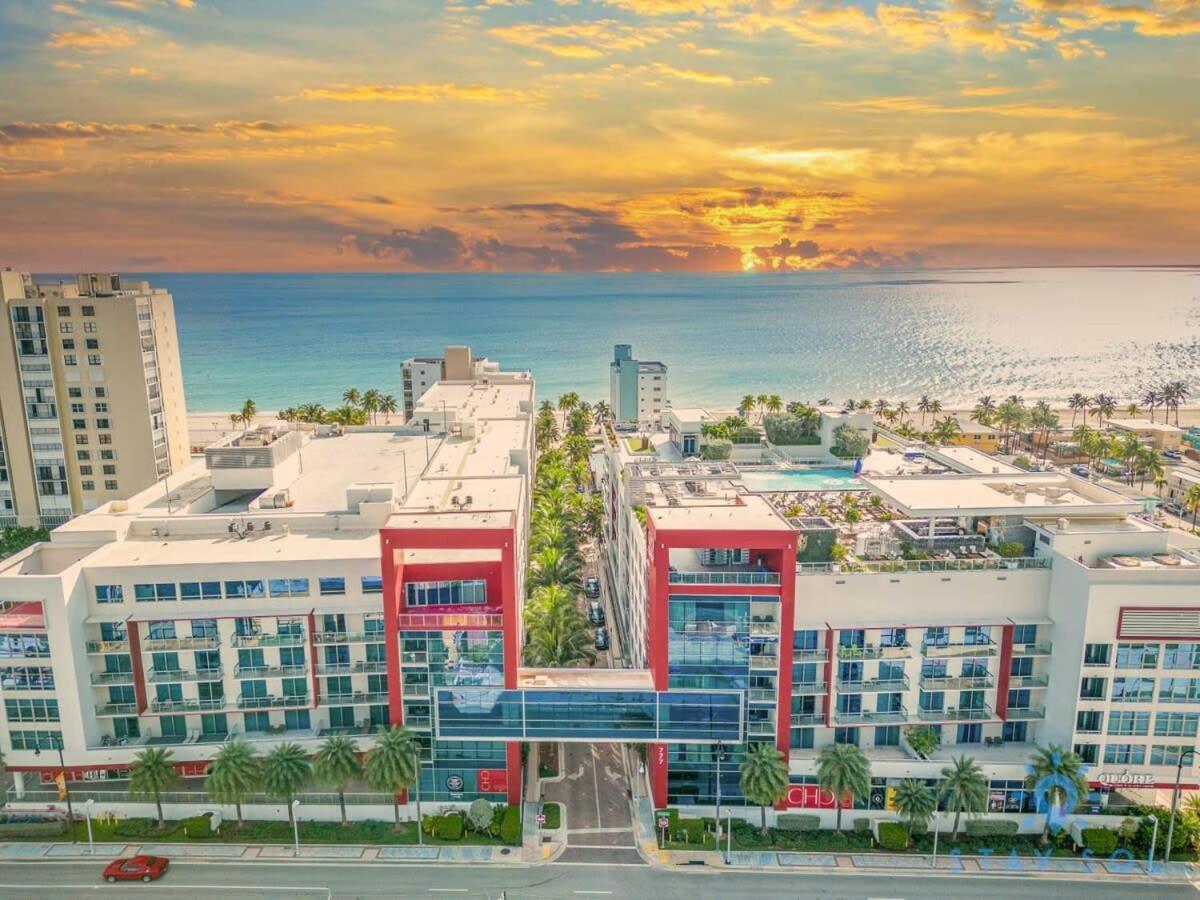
<point x="747" y="513"/>
<point x="1029" y="493"/>
<point x="974" y="461"/>
<point x="1144" y="425"/>
<point x="329" y="465"/>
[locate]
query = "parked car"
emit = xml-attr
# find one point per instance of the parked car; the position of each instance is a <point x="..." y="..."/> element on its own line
<point x="591" y="586"/>
<point x="1173" y="455"/>
<point x="1173" y="508"/>
<point x="136" y="868"/>
<point x="596" y="613"/>
<point x="601" y="638"/>
<point x="1081" y="471"/>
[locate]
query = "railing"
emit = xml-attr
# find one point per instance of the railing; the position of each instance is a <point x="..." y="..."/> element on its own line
<point x="1024" y="713"/>
<point x="116" y="709"/>
<point x="108" y="646"/>
<point x="449" y="620"/>
<point x="757" y="727"/>
<point x="891" y="715"/>
<point x="414" y="658"/>
<point x="355" y="698"/>
<point x="755" y="577"/>
<point x="761" y="695"/>
<point x="269" y="671"/>
<point x="906" y="566"/>
<point x="299" y="700"/>
<point x="112" y="678"/>
<point x="873" y="684"/>
<point x="1029" y="681"/>
<point x="820" y="655"/>
<point x="414" y="690"/>
<point x="167" y="675"/>
<point x="955" y="715"/>
<point x="810" y="687"/>
<point x="764" y="628"/>
<point x="956" y="682"/>
<point x="805" y="719"/>
<point x="961" y="648"/>
<point x="354" y="668"/>
<point x="764" y="662"/>
<point x="170" y="706"/>
<point x="875" y="651"/>
<point x="348" y="637"/>
<point x="81" y="795"/>
<point x="181" y="643"/>
<point x="1041" y="648"/>
<point x="266" y="640"/>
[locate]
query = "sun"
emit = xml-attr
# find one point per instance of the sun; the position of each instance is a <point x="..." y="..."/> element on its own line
<point x="749" y="261"/>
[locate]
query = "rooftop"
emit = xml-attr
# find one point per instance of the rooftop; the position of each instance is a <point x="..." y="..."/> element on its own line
<point x="1143" y="425"/>
<point x="1023" y="493"/>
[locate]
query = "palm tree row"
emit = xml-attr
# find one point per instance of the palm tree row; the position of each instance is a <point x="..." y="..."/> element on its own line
<point x="237" y="771"/>
<point x="764" y="403"/>
<point x="244" y="416"/>
<point x="358" y="408"/>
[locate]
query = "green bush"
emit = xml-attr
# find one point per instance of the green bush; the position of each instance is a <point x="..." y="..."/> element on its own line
<point x="32" y="829"/>
<point x="449" y="828"/>
<point x="197" y="826"/>
<point x="793" y="429"/>
<point x="862" y="826"/>
<point x="892" y="836"/>
<point x="137" y="828"/>
<point x="717" y="448"/>
<point x="923" y="739"/>
<point x="672" y="818"/>
<point x="849" y="442"/>
<point x="1100" y="841"/>
<point x="510" y="825"/>
<point x="1010" y="549"/>
<point x="553" y="813"/>
<point x="838" y="840"/>
<point x="990" y="827"/>
<point x="688" y="831"/>
<point x="797" y="822"/>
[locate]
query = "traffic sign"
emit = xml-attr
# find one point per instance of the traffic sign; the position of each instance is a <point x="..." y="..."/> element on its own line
<point x="663" y="822"/>
<point x="541" y="818"/>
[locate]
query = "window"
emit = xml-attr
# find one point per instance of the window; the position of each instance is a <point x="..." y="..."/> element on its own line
<point x="1015" y="732"/>
<point x="1089" y="721"/>
<point x="88" y="310"/>
<point x="93" y="343"/>
<point x="372" y="584"/>
<point x="74" y="392"/>
<point x="99" y="392"/>
<point x="78" y="408"/>
<point x="149" y="593"/>
<point x="103" y="423"/>
<point x="449" y="593"/>
<point x="105" y="439"/>
<point x="65" y="327"/>
<point x="1089" y="753"/>
<point x="64" y="310"/>
<point x="1132" y="690"/>
<point x="68" y="343"/>
<point x="35" y="740"/>
<point x="289" y="587"/>
<point x="79" y="423"/>
<point x="205" y="627"/>
<point x="888" y="736"/>
<point x="1176" y="724"/>
<point x="1129" y="723"/>
<point x="70" y="360"/>
<point x="1181" y="656"/>
<point x="970" y="733"/>
<point x="107" y="454"/>
<point x="845" y="736"/>
<point x="1170" y="755"/>
<point x="161" y="631"/>
<point x="1092" y="688"/>
<point x="256" y="722"/>
<point x="109" y="469"/>
<point x="1018" y="699"/>
<point x="33" y="710"/>
<point x="109" y="593"/>
<point x="236" y="590"/>
<point x="101" y="407"/>
<point x="297" y="719"/>
<point x="83" y="455"/>
<point x="1137" y="656"/>
<point x="88" y="485"/>
<point x="110" y="485"/>
<point x="1125" y="754"/>
<point x="94" y="359"/>
<point x="1021" y="666"/>
<point x="89" y="327"/>
<point x="81" y="439"/>
<point x="1096" y="654"/>
<point x="200" y="590"/>
<point x="332" y="587"/>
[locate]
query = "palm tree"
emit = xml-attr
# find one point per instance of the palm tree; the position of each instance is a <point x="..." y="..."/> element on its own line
<point x="235" y="419"/>
<point x="947" y="430"/>
<point x="393" y="764"/>
<point x="546" y="432"/>
<point x="964" y="788"/>
<point x="902" y="410"/>
<point x="1150" y="400"/>
<point x="558" y="633"/>
<point x="234" y="772"/>
<point x="985" y="411"/>
<point x="602" y="411"/>
<point x="746" y="406"/>
<point x="915" y="802"/>
<point x="761" y="402"/>
<point x="545" y="408"/>
<point x="1058" y="775"/>
<point x="310" y="412"/>
<point x="1176" y="392"/>
<point x="553" y="566"/>
<point x="249" y="409"/>
<point x="774" y="403"/>
<point x="351" y="397"/>
<point x="1103" y="405"/>
<point x="1149" y="465"/>
<point x="152" y="773"/>
<point x="568" y="401"/>
<point x="1191" y="502"/>
<point x="881" y="406"/>
<point x="370" y="403"/>
<point x="577" y="422"/>
<point x="1078" y="403"/>
<point x="924" y="406"/>
<point x="843" y="769"/>
<point x="388" y="406"/>
<point x="336" y="764"/>
<point x="287" y="414"/>
<point x="285" y="770"/>
<point x="1132" y="410"/>
<point x="764" y="777"/>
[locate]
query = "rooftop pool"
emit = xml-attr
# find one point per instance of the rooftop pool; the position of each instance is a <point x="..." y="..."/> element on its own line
<point x="808" y="479"/>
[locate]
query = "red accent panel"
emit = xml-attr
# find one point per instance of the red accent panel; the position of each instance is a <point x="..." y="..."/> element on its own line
<point x="493" y="780"/>
<point x="139" y="676"/>
<point x="512" y="615"/>
<point x="657" y="756"/>
<point x="658" y="562"/>
<point x="393" y="573"/>
<point x="768" y="590"/>
<point x="312" y="649"/>
<point x="488" y="571"/>
<point x="778" y="560"/>
<point x="513" y="756"/>
<point x="827" y="700"/>
<point x="1005" y="673"/>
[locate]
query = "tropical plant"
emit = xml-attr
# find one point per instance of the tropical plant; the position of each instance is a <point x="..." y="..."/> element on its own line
<point x="1103" y="407"/>
<point x="336" y="764"/>
<point x="843" y="770"/>
<point x="554" y="566"/>
<point x="388" y="406"/>
<point x="764" y="777"/>
<point x="774" y="403"/>
<point x="849" y="442"/>
<point x="964" y="788"/>
<point x="285" y="770"/>
<point x="393" y="763"/>
<point x="568" y="401"/>
<point x="351" y="396"/>
<point x="1191" y="502"/>
<point x="481" y="814"/>
<point x="902" y="411"/>
<point x="915" y="803"/>
<point x="746" y="406"/>
<point x="947" y="430"/>
<point x="602" y="412"/>
<point x="17" y="537"/>
<point x="233" y="774"/>
<point x="371" y="399"/>
<point x="1058" y="775"/>
<point x="1078" y="403"/>
<point x="559" y="635"/>
<point x="578" y="421"/>
<point x="153" y="772"/>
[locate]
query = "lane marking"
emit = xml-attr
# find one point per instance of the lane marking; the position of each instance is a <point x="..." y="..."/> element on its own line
<point x="448" y="890"/>
<point x="591" y="892"/>
<point x="596" y="788"/>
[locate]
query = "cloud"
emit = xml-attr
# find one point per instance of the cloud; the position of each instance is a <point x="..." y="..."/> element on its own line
<point x="922" y="105"/>
<point x="424" y="92"/>
<point x="94" y="39"/>
<point x="789" y="255"/>
<point x="27" y="132"/>
<point x="1159" y="18"/>
<point x="588" y="40"/>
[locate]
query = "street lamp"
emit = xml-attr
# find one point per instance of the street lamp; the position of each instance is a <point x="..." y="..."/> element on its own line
<point x="62" y="771"/>
<point x="1188" y="754"/>
<point x="87" y="811"/>
<point x="720" y="757"/>
<point x="417" y="785"/>
<point x="296" y="826"/>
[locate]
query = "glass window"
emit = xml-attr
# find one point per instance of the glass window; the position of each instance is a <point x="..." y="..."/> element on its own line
<point x="1089" y="721"/>
<point x="471" y="592"/>
<point x="1181" y="656"/>
<point x="1016" y="732"/>
<point x="1096" y="654"/>
<point x="1137" y="656"/>
<point x="1179" y="690"/>
<point x="332" y="587"/>
<point x="1092" y="688"/>
<point x="109" y="593"/>
<point x="887" y="736"/>
<point x="1025" y="634"/>
<point x="969" y="733"/>
<point x="372" y="584"/>
<point x="161" y="631"/>
<point x="1124" y="754"/>
<point x="1123" y="722"/>
<point x="289" y="587"/>
<point x="297" y="719"/>
<point x="1132" y="690"/>
<point x="1170" y="755"/>
<point x="1176" y="724"/>
<point x="845" y="736"/>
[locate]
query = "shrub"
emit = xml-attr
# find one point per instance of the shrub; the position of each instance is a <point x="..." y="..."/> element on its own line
<point x="717" y="448"/>
<point x="849" y="442"/>
<point x="923" y="739"/>
<point x="553" y="813"/>
<point x="838" y="840"/>
<point x="1023" y="462"/>
<point x="449" y="828"/>
<point x="131" y="828"/>
<point x="690" y="831"/>
<point x="672" y="818"/>
<point x="892" y="836"/>
<point x="991" y="827"/>
<point x="197" y="826"/>
<point x="797" y="822"/>
<point x="480" y="813"/>
<point x="32" y="829"/>
<point x="1010" y="549"/>
<point x="793" y="429"/>
<point x="510" y="825"/>
<point x="862" y="826"/>
<point x="1100" y="841"/>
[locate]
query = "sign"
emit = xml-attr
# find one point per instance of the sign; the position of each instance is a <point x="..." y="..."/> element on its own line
<point x="660" y="754"/>
<point x="1129" y="779"/>
<point x="809" y="796"/>
<point x="493" y="781"/>
<point x="541" y="819"/>
<point x="62" y="786"/>
<point x="663" y="821"/>
<point x="454" y="784"/>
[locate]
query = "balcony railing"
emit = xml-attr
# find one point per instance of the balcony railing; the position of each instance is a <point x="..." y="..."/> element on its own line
<point x="348" y="637"/>
<point x="354" y="668"/>
<point x="108" y="646"/>
<point x="761" y="695"/>
<point x="449" y="620"/>
<point x="269" y="671"/>
<point x="956" y="682"/>
<point x="906" y="566"/>
<point x="181" y="643"/>
<point x="1026" y="713"/>
<point x="981" y="714"/>
<point x="764" y="628"/>
<point x="266" y="640"/>
<point x="819" y="655"/>
<point x="753" y="577"/>
<point x="960" y="648"/>
<point x="160" y="676"/>
<point x="116" y="709"/>
<point x="871" y="716"/>
<point x="762" y="661"/>
<point x="299" y="700"/>
<point x="112" y="678"/>
<point x="864" y="685"/>
<point x="1041" y="648"/>
<point x="875" y="651"/>
<point x="761" y="728"/>
<point x="803" y="720"/>
<point x="189" y="705"/>
<point x="810" y="687"/>
<point x="354" y="699"/>
<point x="414" y="658"/>
<point x="414" y="690"/>
<point x="1029" y="681"/>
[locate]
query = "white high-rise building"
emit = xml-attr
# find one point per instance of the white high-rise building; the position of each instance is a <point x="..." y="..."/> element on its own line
<point x="637" y="388"/>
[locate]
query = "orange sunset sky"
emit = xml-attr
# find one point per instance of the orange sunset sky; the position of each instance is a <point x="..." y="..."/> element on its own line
<point x="530" y="135"/>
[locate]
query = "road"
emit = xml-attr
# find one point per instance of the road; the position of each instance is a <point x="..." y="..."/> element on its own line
<point x="594" y="793"/>
<point x="62" y="880"/>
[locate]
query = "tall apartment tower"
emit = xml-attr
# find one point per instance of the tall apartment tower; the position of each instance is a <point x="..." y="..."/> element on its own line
<point x="91" y="395"/>
<point x="419" y="373"/>
<point x="637" y="388"/>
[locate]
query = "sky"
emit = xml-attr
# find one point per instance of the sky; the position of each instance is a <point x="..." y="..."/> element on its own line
<point x="576" y="135"/>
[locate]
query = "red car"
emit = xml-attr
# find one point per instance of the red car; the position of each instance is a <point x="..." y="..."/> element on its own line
<point x="136" y="868"/>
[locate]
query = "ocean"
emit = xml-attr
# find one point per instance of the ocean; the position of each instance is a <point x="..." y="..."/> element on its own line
<point x="286" y="339"/>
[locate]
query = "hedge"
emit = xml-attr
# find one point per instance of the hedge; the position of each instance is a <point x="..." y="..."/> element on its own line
<point x="32" y="829"/>
<point x="448" y="828"/>
<point x="862" y="826"/>
<point x="1100" y="841"/>
<point x="672" y="818"/>
<point x="510" y="825"/>
<point x="797" y="822"/>
<point x="991" y="827"/>
<point x="892" y="836"/>
<point x="197" y="826"/>
<point x="689" y="831"/>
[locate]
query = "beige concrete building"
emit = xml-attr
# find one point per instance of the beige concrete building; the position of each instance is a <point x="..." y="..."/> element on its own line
<point x="1158" y="435"/>
<point x="91" y="395"/>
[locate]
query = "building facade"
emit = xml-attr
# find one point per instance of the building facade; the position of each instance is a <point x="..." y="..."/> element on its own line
<point x="419" y="373"/>
<point x="637" y="388"/>
<point x="91" y="399"/>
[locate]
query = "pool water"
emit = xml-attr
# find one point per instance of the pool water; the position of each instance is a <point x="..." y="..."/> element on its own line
<point x="814" y="479"/>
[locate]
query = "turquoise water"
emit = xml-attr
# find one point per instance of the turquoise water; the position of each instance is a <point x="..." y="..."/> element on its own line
<point x="814" y="479"/>
<point x="287" y="339"/>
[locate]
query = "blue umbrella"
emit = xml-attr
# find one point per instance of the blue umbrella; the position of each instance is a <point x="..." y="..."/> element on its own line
<point x="857" y="465"/>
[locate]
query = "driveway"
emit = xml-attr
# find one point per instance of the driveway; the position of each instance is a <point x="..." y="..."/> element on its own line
<point x="594" y="790"/>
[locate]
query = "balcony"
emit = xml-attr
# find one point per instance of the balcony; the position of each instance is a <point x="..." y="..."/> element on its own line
<point x="1029" y="681"/>
<point x="211" y="642"/>
<point x="267" y="640"/>
<point x="269" y="671"/>
<point x="160" y="676"/>
<point x="112" y="678"/>
<point x="754" y="577"/>
<point x="116" y="709"/>
<point x="807" y="720"/>
<point x="1026" y="714"/>
<point x="414" y="690"/>
<point x="952" y="714"/>
<point x="956" y="682"/>
<point x="761" y="695"/>
<point x="1041" y="648"/>
<point x="809" y="687"/>
<point x="348" y="637"/>
<point x="760" y="728"/>
<point x="961" y="648"/>
<point x="186" y="706"/>
<point x="765" y="628"/>
<point x="108" y="646"/>
<point x="875" y="651"/>
<point x="414" y="658"/>
<point x="873" y="684"/>
<point x="763" y="661"/>
<point x="354" y="668"/>
<point x="296" y="702"/>
<point x="820" y="655"/>
<point x="354" y="699"/>
<point x="871" y="717"/>
<point x="421" y="621"/>
<point x="906" y="566"/>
